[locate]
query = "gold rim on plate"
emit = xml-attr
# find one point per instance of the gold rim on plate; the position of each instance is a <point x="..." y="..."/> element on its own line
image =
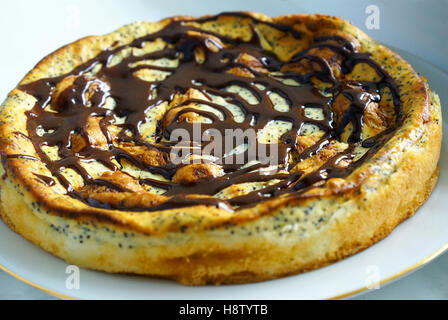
<point x="383" y="282"/>
<point x="391" y="278"/>
<point x="37" y="286"/>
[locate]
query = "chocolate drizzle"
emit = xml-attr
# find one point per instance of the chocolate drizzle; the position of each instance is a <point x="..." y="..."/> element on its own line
<point x="134" y="97"/>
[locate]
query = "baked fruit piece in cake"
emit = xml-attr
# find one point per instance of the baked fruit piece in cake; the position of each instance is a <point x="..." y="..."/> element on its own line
<point x="87" y="149"/>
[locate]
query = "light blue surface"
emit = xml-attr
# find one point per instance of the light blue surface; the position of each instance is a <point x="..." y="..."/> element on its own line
<point x="32" y="29"/>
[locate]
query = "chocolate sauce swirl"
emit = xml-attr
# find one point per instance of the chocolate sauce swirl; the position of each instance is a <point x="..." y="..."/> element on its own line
<point x="134" y="97"/>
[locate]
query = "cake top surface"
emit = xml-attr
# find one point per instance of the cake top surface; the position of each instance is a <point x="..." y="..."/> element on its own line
<point x="236" y="112"/>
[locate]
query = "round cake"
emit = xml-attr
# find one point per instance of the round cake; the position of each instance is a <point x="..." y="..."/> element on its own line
<point x="224" y="149"/>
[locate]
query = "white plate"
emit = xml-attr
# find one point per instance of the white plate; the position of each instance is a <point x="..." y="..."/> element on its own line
<point x="414" y="243"/>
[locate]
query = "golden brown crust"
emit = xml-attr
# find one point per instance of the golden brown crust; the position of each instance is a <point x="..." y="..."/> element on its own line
<point x="201" y="245"/>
